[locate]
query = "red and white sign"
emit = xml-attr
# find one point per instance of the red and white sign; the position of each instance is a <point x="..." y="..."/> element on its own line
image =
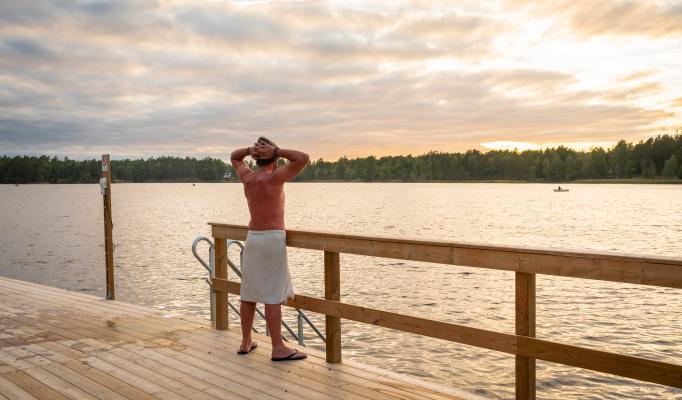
<point x="105" y="163"/>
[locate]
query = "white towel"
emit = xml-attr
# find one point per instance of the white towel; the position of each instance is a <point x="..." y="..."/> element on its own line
<point x="265" y="271"/>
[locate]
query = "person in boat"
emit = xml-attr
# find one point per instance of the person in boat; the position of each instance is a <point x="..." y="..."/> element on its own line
<point x="559" y="187"/>
<point x="265" y="272"/>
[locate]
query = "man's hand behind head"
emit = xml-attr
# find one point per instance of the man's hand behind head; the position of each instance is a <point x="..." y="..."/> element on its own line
<point x="262" y="150"/>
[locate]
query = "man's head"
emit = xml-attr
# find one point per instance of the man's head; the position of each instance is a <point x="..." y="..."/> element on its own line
<point x="261" y="162"/>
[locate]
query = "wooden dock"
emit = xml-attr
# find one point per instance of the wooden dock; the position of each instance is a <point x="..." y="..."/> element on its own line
<point x="57" y="344"/>
<point x="524" y="262"/>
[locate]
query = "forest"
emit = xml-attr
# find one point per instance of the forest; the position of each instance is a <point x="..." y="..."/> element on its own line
<point x="656" y="157"/>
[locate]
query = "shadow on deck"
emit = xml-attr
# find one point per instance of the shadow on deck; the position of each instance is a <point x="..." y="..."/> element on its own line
<point x="57" y="344"/>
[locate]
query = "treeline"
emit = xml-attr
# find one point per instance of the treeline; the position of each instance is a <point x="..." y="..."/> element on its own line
<point x="170" y="169"/>
<point x="655" y="157"/>
<point x="43" y="169"/>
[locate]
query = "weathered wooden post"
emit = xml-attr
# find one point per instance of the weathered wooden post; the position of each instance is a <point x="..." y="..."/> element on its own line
<point x="105" y="187"/>
<point x="525" y="325"/>
<point x="221" y="307"/>
<point x="332" y="291"/>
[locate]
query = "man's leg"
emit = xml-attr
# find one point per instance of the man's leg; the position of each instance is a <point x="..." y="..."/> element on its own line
<point x="247" y="310"/>
<point x="273" y="317"/>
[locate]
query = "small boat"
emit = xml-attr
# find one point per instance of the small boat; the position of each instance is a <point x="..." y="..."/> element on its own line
<point x="559" y="189"/>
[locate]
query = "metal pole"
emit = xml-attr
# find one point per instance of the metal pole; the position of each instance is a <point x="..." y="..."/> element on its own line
<point x="211" y="263"/>
<point x="105" y="185"/>
<point x="300" y="329"/>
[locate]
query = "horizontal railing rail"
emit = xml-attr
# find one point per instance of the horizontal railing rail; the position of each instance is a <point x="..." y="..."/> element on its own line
<point x="525" y="262"/>
<point x="653" y="271"/>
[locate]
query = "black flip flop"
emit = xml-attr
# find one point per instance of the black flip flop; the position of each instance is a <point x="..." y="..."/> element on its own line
<point x="291" y="357"/>
<point x="253" y="346"/>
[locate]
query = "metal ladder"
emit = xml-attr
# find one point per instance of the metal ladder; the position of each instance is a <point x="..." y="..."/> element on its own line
<point x="210" y="267"/>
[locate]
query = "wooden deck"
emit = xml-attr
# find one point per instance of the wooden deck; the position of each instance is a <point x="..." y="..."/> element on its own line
<point x="57" y="344"/>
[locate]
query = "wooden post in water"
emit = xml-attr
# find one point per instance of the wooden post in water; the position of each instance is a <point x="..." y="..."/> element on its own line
<point x="221" y="307"/>
<point x="105" y="186"/>
<point x="525" y="325"/>
<point x="332" y="291"/>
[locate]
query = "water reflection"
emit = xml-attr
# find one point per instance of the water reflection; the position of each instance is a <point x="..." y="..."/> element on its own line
<point x="52" y="234"/>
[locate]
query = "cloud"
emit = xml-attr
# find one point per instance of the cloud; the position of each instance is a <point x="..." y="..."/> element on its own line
<point x="461" y="35"/>
<point x="328" y="35"/>
<point x="20" y="47"/>
<point x="233" y="26"/>
<point x="633" y="92"/>
<point x="521" y="146"/>
<point x="109" y="12"/>
<point x="358" y="117"/>
<point x="639" y="75"/>
<point x="649" y="18"/>
<point x="174" y="77"/>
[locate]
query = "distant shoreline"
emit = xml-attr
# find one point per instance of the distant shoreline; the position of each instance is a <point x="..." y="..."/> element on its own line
<point x="654" y="161"/>
<point x="633" y="181"/>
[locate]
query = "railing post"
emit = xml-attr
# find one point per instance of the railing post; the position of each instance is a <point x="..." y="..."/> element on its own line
<point x="221" y="307"/>
<point x="525" y="325"/>
<point x="332" y="291"/>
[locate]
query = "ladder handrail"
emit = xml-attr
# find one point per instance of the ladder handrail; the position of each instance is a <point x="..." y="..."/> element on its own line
<point x="210" y="267"/>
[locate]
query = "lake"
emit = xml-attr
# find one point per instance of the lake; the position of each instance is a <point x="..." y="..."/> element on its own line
<point x="53" y="234"/>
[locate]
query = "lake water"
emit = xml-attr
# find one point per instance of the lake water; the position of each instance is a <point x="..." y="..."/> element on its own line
<point x="53" y="234"/>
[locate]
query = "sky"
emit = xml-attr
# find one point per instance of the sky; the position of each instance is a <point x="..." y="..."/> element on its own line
<point x="143" y="78"/>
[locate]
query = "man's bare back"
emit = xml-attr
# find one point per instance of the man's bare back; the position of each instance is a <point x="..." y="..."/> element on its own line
<point x="264" y="188"/>
<point x="265" y="197"/>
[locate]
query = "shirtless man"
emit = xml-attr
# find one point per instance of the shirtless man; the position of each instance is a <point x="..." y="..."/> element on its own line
<point x="265" y="273"/>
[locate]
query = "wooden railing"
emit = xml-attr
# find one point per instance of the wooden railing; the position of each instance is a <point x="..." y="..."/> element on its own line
<point x="525" y="262"/>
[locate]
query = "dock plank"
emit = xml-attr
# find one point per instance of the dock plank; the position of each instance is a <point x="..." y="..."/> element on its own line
<point x="59" y="344"/>
<point x="9" y="390"/>
<point x="36" y="388"/>
<point x="87" y="385"/>
<point x="108" y="381"/>
<point x="58" y="384"/>
<point x="388" y="391"/>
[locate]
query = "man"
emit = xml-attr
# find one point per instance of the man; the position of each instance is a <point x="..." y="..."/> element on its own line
<point x="265" y="272"/>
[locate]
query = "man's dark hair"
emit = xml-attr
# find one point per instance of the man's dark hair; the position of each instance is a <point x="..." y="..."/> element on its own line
<point x="262" y="163"/>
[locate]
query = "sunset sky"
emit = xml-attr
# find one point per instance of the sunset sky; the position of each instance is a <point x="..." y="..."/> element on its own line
<point x="138" y="78"/>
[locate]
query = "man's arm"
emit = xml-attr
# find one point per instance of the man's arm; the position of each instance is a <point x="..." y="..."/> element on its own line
<point x="297" y="161"/>
<point x="237" y="159"/>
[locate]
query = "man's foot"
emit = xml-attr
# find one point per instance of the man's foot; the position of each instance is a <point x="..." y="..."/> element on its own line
<point x="293" y="356"/>
<point x="247" y="349"/>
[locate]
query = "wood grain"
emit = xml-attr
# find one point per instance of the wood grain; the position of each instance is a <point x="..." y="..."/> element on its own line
<point x="73" y="345"/>
<point x="221" y="299"/>
<point x="666" y="272"/>
<point x="617" y="364"/>
<point x="108" y="231"/>
<point x="332" y="291"/>
<point x="525" y="326"/>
